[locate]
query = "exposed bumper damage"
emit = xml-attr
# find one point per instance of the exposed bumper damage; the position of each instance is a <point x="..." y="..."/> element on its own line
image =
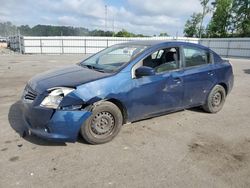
<point x="58" y="125"/>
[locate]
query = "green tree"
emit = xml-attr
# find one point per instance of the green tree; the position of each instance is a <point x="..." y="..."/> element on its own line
<point x="7" y="29"/>
<point x="101" y="33"/>
<point x="191" y="28"/>
<point x="220" y="22"/>
<point x="25" y="30"/>
<point x="124" y="33"/>
<point x="240" y="18"/>
<point x="205" y="10"/>
<point x="163" y="35"/>
<point x="233" y="20"/>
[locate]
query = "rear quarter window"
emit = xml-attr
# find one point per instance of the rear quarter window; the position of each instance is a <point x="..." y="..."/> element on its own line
<point x="217" y="58"/>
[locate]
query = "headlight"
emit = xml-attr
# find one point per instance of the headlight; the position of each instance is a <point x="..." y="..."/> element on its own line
<point x="55" y="97"/>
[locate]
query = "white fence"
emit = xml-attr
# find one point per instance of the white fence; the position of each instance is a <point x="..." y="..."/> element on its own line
<point x="227" y="47"/>
<point x="69" y="45"/>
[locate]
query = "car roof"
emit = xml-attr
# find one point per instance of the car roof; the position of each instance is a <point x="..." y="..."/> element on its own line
<point x="152" y="43"/>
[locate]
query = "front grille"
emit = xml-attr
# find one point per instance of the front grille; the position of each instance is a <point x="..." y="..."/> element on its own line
<point x="29" y="94"/>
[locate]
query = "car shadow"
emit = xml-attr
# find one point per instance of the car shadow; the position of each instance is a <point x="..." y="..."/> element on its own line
<point x="81" y="140"/>
<point x="17" y="123"/>
<point x="197" y="109"/>
<point x="247" y="71"/>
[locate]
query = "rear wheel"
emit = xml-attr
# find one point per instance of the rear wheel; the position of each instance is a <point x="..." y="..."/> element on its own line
<point x="215" y="100"/>
<point x="104" y="123"/>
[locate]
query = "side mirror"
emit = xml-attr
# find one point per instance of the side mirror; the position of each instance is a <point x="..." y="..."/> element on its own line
<point x="144" y="71"/>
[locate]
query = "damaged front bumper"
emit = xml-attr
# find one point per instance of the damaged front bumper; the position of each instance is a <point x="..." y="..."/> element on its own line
<point x="55" y="125"/>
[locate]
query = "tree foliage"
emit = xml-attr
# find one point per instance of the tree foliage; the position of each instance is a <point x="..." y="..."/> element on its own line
<point x="8" y="29"/>
<point x="219" y="24"/>
<point x="205" y="10"/>
<point x="240" y="18"/>
<point x="230" y="18"/>
<point x="124" y="33"/>
<point x="163" y="35"/>
<point x="192" y="25"/>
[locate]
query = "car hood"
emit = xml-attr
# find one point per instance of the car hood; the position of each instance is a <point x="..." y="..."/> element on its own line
<point x="70" y="76"/>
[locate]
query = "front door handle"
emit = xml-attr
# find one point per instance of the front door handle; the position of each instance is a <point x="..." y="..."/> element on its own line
<point x="177" y="80"/>
<point x="211" y="73"/>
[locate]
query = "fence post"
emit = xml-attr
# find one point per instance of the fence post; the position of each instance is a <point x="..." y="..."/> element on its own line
<point x="19" y="42"/>
<point x="41" y="49"/>
<point x="85" y="46"/>
<point x="209" y="43"/>
<point x="228" y="46"/>
<point x="62" y="46"/>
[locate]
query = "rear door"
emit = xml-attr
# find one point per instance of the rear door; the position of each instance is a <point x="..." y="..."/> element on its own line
<point x="199" y="76"/>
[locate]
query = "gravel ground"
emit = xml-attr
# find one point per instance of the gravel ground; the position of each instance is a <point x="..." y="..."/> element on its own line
<point x="7" y="51"/>
<point x="184" y="149"/>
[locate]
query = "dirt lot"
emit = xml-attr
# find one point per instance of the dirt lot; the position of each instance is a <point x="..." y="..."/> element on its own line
<point x="184" y="149"/>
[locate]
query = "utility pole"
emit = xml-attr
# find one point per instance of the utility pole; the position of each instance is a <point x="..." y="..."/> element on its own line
<point x="106" y="17"/>
<point x="113" y="25"/>
<point x="19" y="41"/>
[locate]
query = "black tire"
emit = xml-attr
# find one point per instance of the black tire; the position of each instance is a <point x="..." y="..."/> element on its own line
<point x="215" y="100"/>
<point x="104" y="123"/>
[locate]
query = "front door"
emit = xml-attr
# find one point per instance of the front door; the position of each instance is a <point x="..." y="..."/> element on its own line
<point x="161" y="92"/>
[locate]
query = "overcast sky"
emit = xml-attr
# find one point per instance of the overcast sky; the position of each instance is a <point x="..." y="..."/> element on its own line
<point x="138" y="16"/>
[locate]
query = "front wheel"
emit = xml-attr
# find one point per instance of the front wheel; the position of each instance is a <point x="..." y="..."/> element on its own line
<point x="104" y="123"/>
<point x="215" y="100"/>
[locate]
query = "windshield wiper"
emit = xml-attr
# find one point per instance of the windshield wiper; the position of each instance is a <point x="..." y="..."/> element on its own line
<point x="94" y="68"/>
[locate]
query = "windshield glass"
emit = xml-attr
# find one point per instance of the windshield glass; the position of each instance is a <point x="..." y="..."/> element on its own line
<point x="112" y="58"/>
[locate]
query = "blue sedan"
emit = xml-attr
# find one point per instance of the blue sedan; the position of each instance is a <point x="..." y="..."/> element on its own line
<point x="121" y="84"/>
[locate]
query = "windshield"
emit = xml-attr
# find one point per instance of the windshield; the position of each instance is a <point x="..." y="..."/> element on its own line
<point x="112" y="58"/>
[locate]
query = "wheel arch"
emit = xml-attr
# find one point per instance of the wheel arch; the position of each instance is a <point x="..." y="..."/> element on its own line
<point x="122" y="108"/>
<point x="224" y="85"/>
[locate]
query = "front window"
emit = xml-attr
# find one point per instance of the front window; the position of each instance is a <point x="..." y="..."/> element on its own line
<point x="113" y="58"/>
<point x="163" y="60"/>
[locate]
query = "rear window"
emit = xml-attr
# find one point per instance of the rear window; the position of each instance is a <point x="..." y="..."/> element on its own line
<point x="195" y="56"/>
